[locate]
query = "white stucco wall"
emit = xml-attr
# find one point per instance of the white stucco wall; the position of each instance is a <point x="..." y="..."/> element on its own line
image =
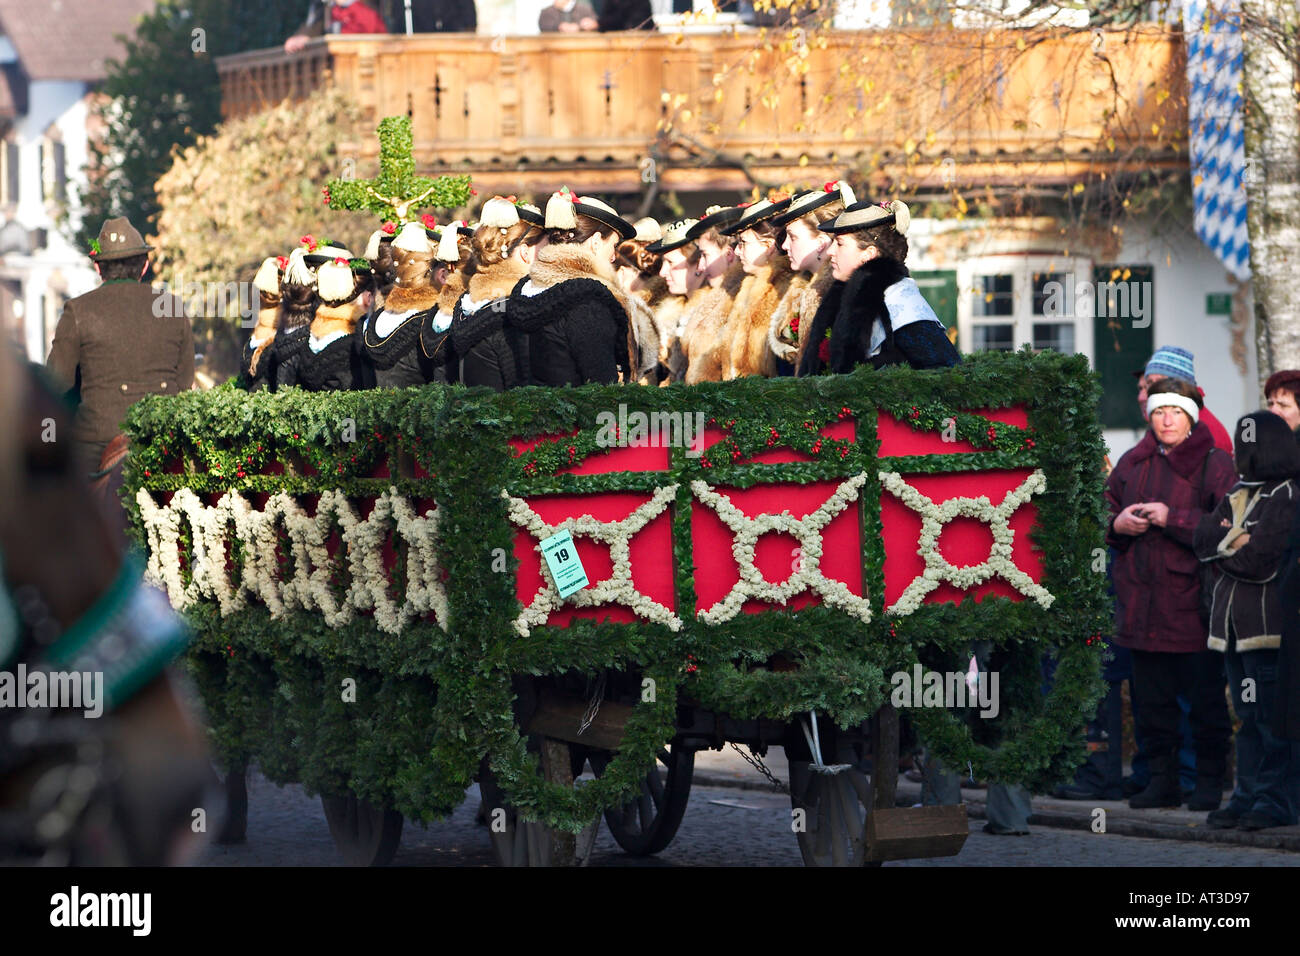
<point x="59" y="267"/>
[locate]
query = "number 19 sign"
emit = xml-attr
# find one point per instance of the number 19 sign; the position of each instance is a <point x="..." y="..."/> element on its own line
<point x="565" y="565"/>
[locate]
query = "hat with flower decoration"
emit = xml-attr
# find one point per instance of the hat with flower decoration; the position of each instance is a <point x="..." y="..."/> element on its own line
<point x="804" y="203"/>
<point x="117" y="239"/>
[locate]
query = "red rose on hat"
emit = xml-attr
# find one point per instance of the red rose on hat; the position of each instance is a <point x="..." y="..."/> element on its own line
<point x="389" y="227"/>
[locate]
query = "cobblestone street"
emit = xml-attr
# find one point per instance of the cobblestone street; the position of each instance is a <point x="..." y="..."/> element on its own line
<point x="723" y="826"/>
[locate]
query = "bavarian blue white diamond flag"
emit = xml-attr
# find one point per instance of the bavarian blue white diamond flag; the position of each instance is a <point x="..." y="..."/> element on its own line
<point x="1216" y="138"/>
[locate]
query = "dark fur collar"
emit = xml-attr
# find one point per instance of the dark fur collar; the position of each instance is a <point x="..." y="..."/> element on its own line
<point x="860" y="304"/>
<point x="1187" y="458"/>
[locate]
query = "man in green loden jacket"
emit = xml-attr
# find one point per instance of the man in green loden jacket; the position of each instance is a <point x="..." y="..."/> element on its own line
<point x="119" y="342"/>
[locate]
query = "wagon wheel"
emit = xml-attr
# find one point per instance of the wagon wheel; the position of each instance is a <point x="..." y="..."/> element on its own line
<point x="519" y="842"/>
<point x="833" y="829"/>
<point x="365" y="835"/>
<point x="648" y="822"/>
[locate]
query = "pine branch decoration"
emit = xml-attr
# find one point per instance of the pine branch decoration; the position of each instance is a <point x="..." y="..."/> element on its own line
<point x="397" y="193"/>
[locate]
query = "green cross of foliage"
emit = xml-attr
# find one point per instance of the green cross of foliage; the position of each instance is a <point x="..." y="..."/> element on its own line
<point x="397" y="193"/>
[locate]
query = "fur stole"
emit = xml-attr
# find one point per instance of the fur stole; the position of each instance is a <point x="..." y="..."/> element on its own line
<point x="268" y="322"/>
<point x="793" y="318"/>
<point x="752" y="318"/>
<point x="451" y="292"/>
<point x="704" y="340"/>
<point x="646" y="340"/>
<point x="496" y="281"/>
<point x="568" y="260"/>
<point x="329" y="320"/>
<point x="411" y="300"/>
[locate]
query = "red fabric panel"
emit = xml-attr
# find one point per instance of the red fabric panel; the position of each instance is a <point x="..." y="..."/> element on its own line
<point x="898" y="437"/>
<point x="651" y="552"/>
<point x="715" y="566"/>
<point x="963" y="541"/>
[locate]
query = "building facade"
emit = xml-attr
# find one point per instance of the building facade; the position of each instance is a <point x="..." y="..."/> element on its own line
<point x="52" y="57"/>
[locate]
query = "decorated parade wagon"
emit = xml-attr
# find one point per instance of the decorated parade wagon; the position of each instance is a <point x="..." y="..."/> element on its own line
<point x="565" y="594"/>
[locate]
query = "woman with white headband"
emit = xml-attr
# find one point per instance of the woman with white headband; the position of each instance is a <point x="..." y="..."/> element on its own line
<point x="1158" y="493"/>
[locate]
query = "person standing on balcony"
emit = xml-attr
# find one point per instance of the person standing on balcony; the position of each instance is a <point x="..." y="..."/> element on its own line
<point x="336" y="16"/>
<point x="440" y="16"/>
<point x="626" y="15"/>
<point x="567" y="16"/>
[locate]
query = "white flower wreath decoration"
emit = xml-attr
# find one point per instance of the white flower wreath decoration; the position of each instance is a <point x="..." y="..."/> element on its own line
<point x="807" y="575"/>
<point x="309" y="587"/>
<point x="618" y="587"/>
<point x="938" y="568"/>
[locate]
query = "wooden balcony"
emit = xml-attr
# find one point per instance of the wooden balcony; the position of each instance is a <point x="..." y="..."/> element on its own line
<point x="923" y="109"/>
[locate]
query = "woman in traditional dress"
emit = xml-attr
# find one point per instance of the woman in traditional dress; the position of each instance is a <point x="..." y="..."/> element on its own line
<point x="808" y="250"/>
<point x="767" y="279"/>
<point x="677" y="267"/>
<point x="637" y="268"/>
<point x="390" y="341"/>
<point x="255" y="365"/>
<point x="298" y="304"/>
<point x="709" y="310"/>
<point x="504" y="247"/>
<point x="877" y="316"/>
<point x="570" y="308"/>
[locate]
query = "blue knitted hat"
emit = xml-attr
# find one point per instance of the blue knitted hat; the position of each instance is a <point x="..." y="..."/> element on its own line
<point x="1172" y="362"/>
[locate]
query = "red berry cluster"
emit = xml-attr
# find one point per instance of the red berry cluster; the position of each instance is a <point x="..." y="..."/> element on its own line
<point x="845" y="412"/>
<point x="691" y="666"/>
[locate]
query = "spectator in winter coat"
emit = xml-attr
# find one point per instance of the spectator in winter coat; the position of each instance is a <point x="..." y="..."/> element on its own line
<point x="1158" y="494"/>
<point x="1244" y="540"/>
<point x="1283" y="393"/>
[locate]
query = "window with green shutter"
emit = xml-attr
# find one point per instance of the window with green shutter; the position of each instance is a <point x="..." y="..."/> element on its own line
<point x="1123" y="311"/>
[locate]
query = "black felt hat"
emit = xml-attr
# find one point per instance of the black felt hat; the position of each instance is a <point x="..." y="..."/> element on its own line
<point x="761" y="211"/>
<point x="804" y="203"/>
<point x="715" y="217"/>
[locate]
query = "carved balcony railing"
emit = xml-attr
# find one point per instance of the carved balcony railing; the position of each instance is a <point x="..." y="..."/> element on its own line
<point x="717" y="111"/>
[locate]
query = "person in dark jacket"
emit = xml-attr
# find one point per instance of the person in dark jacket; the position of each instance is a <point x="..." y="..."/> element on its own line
<point x="1244" y="540"/>
<point x="1158" y="493"/>
<point x="390" y="340"/>
<point x="626" y="15"/>
<point x="119" y="342"/>
<point x="504" y="249"/>
<point x="875" y="313"/>
<point x="1283" y="393"/>
<point x="439" y="16"/>
<point x="570" y="307"/>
